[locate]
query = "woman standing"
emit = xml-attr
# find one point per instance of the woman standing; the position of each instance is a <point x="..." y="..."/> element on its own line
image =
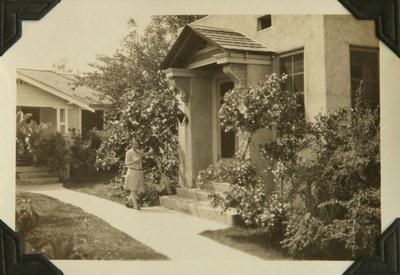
<point x="134" y="180"/>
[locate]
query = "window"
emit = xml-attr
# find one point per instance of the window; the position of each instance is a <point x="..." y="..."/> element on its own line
<point x="63" y="121"/>
<point x="364" y="69"/>
<point x="227" y="139"/>
<point x="293" y="66"/>
<point x="264" y="22"/>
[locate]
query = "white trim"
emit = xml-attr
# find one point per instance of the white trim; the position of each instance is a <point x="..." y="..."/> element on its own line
<point x="201" y="63"/>
<point x="58" y="119"/>
<point x="242" y="58"/>
<point x="80" y="120"/>
<point x="66" y="120"/>
<point x="41" y="105"/>
<point x="54" y="91"/>
<point x="179" y="72"/>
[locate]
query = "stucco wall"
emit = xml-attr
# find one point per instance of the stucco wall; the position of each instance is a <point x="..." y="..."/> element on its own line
<point x="341" y="32"/>
<point x="288" y="33"/>
<point x="200" y="121"/>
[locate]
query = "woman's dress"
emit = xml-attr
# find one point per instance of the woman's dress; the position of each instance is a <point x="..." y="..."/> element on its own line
<point x="134" y="180"/>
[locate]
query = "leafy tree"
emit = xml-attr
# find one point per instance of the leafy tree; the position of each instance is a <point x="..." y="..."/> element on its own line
<point x="145" y="106"/>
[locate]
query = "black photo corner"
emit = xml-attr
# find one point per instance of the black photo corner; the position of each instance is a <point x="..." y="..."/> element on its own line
<point x="385" y="13"/>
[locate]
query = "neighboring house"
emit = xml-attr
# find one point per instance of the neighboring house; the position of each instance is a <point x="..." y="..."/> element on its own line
<point x="325" y="57"/>
<point x="52" y="98"/>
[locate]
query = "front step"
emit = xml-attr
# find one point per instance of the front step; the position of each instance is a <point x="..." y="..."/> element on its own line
<point x="38" y="180"/>
<point x="216" y="186"/>
<point x="32" y="175"/>
<point x="35" y="175"/>
<point x="195" y="194"/>
<point x="201" y="209"/>
<point x="27" y="169"/>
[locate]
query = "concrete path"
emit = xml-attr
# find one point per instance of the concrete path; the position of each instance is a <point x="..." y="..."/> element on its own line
<point x="171" y="233"/>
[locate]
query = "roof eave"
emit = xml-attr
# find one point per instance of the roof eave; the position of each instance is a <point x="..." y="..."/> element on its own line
<point x="54" y="91"/>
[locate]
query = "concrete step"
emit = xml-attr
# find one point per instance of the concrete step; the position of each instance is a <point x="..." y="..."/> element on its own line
<point x="199" y="209"/>
<point x="192" y="193"/>
<point x="38" y="180"/>
<point x="216" y="186"/>
<point x="32" y="175"/>
<point x="23" y="169"/>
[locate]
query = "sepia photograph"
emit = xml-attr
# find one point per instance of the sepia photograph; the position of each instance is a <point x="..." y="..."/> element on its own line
<point x="198" y="142"/>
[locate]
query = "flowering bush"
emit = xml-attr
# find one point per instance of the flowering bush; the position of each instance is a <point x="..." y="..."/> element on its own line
<point x="326" y="173"/>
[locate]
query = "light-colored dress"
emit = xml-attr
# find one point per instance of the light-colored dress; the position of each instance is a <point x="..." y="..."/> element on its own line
<point x="134" y="180"/>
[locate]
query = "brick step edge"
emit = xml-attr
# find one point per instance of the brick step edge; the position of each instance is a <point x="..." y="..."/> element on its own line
<point x="200" y="210"/>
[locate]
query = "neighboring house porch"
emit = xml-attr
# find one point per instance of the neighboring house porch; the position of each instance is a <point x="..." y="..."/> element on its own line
<point x="52" y="98"/>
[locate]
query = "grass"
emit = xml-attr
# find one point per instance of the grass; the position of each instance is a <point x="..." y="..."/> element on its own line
<point x="100" y="187"/>
<point x="64" y="231"/>
<point x="250" y="241"/>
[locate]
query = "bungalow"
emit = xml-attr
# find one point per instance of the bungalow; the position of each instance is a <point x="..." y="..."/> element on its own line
<point x="52" y="98"/>
<point x="324" y="56"/>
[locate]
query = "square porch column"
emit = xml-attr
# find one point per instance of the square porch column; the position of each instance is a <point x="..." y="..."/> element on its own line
<point x="195" y="135"/>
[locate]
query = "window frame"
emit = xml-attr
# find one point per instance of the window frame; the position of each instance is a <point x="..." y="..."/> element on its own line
<point x="259" y="22"/>
<point x="292" y="75"/>
<point x="362" y="50"/>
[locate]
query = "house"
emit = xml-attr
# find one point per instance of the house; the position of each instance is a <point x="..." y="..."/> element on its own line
<point x="324" y="56"/>
<point x="52" y="98"/>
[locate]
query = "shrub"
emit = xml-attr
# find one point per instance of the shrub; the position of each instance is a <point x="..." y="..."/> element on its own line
<point x="83" y="154"/>
<point x="54" y="152"/>
<point x="328" y="172"/>
<point x="247" y="195"/>
<point x="26" y="216"/>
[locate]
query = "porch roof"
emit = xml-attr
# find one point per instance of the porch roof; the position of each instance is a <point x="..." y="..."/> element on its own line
<point x="62" y="85"/>
<point x="225" y="39"/>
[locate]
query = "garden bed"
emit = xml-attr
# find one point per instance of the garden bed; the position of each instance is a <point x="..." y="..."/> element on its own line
<point x="63" y="231"/>
<point x="254" y="242"/>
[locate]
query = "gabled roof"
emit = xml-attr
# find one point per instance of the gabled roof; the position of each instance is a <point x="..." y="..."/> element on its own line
<point x="225" y="39"/>
<point x="229" y="39"/>
<point x="62" y="85"/>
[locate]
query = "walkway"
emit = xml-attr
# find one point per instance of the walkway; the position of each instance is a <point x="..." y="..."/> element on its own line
<point x="173" y="234"/>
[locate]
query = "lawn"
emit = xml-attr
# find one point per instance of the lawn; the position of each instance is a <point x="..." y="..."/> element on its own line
<point x="100" y="187"/>
<point x="250" y="241"/>
<point x="63" y="231"/>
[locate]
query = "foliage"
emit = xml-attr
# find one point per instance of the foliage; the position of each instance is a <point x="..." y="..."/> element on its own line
<point x="267" y="105"/>
<point x="53" y="151"/>
<point x="144" y="105"/>
<point x="339" y="187"/>
<point x="28" y="137"/>
<point x="26" y="216"/>
<point x="236" y="171"/>
<point x="83" y="154"/>
<point x="327" y="172"/>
